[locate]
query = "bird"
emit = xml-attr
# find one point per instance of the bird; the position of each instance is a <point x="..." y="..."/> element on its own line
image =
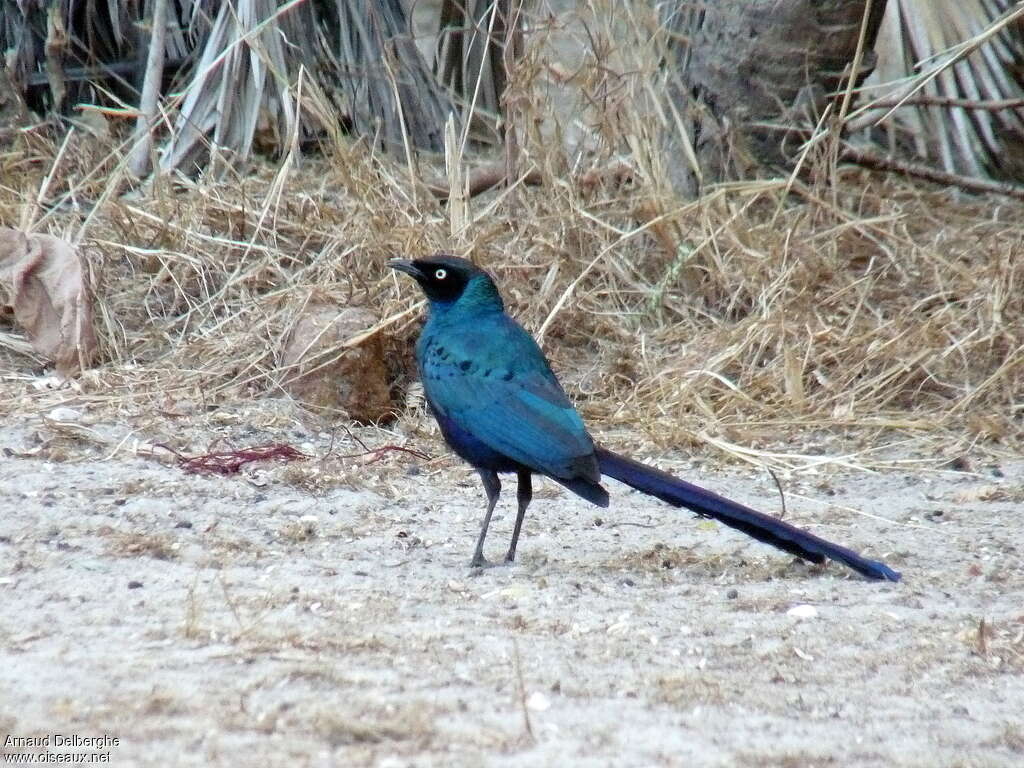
<point x="501" y="409"/>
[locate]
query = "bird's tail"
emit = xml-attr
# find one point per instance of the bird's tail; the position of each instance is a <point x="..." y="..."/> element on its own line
<point x="680" y="493"/>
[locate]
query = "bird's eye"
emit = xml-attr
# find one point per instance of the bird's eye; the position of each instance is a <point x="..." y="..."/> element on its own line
<point x="441" y="274"/>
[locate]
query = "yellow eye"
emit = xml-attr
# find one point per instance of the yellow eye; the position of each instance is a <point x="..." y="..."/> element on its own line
<point x="441" y="274"/>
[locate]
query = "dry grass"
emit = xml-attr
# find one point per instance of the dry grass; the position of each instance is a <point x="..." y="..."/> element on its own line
<point x="880" y="314"/>
<point x="155" y="545"/>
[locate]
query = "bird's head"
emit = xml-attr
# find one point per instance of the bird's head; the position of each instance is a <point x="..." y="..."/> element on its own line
<point x="448" y="280"/>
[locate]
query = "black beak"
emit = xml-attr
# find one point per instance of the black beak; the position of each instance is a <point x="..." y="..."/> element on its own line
<point x="403" y="265"/>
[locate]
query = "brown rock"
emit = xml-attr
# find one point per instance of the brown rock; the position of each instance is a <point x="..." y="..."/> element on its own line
<point x="328" y="378"/>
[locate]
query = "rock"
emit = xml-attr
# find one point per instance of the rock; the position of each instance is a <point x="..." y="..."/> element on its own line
<point x="329" y="379"/>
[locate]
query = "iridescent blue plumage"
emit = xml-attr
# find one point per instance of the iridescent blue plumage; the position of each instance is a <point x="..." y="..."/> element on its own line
<point x="501" y="409"/>
<point x="497" y="401"/>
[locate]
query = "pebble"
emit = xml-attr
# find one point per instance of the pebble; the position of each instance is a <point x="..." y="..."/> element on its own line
<point x="803" y="611"/>
<point x="538" y="702"/>
<point x="62" y="413"/>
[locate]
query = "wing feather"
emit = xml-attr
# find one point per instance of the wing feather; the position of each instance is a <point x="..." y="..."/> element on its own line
<point x="494" y="382"/>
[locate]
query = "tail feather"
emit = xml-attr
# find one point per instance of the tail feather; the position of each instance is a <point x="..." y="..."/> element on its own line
<point x="588" y="489"/>
<point x="789" y="538"/>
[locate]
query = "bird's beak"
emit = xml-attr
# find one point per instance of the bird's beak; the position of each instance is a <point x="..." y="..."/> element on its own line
<point x="403" y="265"/>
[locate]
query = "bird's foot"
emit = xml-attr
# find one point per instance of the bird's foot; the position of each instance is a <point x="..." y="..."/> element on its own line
<point x="479" y="562"/>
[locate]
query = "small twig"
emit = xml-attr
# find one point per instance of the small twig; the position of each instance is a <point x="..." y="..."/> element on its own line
<point x="521" y="685"/>
<point x="355" y="437"/>
<point x="378" y="452"/>
<point x="229" y="600"/>
<point x="330" y="447"/>
<point x="871" y="159"/>
<point x="362" y="336"/>
<point x="782" y="494"/>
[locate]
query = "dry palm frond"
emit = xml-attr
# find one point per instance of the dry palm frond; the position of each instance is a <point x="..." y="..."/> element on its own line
<point x="241" y="74"/>
<point x="365" y="49"/>
<point x="236" y="62"/>
<point x="953" y="69"/>
<point x="477" y="42"/>
<point x="357" y="54"/>
<point x="91" y="48"/>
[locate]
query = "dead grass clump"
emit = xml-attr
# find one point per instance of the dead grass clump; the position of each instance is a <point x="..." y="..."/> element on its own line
<point x="999" y="646"/>
<point x="660" y="558"/>
<point x="340" y="729"/>
<point x="877" y="309"/>
<point x="298" y="531"/>
<point x="685" y="690"/>
<point x="153" y="545"/>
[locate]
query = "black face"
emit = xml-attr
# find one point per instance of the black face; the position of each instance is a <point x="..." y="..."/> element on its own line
<point x="442" y="278"/>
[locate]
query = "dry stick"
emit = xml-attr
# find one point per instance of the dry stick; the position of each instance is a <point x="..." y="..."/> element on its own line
<point x="485" y="178"/>
<point x="521" y="688"/>
<point x="28" y="216"/>
<point x="138" y="164"/>
<point x="458" y="199"/>
<point x="489" y="176"/>
<point x="804" y="153"/>
<point x="359" y="338"/>
<point x="479" y="80"/>
<point x="410" y="156"/>
<point x="993" y="105"/>
<point x="876" y="161"/>
<point x="782" y="494"/>
<point x="835" y="147"/>
<point x="56" y="44"/>
<point x="858" y="57"/>
<point x="508" y="56"/>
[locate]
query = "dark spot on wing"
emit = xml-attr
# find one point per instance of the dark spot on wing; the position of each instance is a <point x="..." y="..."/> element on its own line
<point x="508" y="376"/>
<point x="464" y="365"/>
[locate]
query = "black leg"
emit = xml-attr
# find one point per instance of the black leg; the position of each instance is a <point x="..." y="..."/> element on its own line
<point x="524" y="494"/>
<point x="492" y="487"/>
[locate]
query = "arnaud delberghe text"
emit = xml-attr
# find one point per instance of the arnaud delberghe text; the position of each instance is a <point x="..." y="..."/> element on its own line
<point x="60" y="740"/>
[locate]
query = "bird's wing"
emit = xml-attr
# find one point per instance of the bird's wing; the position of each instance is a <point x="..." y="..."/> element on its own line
<point x="493" y="381"/>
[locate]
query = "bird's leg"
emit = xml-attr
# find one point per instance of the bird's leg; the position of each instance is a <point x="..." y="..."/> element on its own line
<point x="524" y="494"/>
<point x="492" y="487"/>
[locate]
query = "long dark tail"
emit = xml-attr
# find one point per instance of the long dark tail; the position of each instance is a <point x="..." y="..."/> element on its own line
<point x="680" y="493"/>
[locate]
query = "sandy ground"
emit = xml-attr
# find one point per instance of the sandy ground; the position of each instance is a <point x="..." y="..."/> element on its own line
<point x="301" y="615"/>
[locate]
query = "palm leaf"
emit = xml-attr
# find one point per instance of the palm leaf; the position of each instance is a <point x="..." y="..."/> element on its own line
<point x="953" y="68"/>
<point x="358" y="53"/>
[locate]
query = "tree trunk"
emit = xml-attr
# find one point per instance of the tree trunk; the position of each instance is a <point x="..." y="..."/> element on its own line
<point x="750" y="71"/>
